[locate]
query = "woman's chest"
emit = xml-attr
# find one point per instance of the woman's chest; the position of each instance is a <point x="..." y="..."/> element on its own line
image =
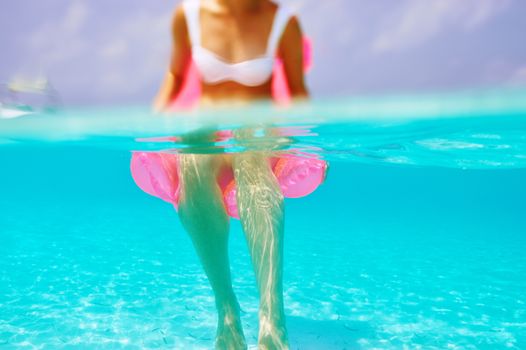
<point x="235" y="39"/>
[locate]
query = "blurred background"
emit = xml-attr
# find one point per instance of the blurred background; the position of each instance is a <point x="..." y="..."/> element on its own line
<point x="115" y="52"/>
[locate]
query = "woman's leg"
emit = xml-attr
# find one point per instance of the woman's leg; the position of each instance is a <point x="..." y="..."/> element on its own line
<point x="203" y="215"/>
<point x="260" y="204"/>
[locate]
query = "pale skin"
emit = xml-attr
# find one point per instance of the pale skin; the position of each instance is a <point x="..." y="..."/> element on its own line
<point x="236" y="30"/>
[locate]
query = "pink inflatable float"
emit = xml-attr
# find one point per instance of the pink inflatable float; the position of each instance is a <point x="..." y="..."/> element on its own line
<point x="156" y="173"/>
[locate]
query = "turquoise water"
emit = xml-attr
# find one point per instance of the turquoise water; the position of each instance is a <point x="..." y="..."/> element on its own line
<point x="416" y="239"/>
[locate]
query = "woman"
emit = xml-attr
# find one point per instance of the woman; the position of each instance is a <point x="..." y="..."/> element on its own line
<point x="233" y="44"/>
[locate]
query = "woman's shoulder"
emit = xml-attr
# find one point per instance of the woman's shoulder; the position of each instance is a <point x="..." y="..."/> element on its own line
<point x="184" y="7"/>
<point x="272" y="4"/>
<point x="287" y="14"/>
<point x="179" y="12"/>
<point x="280" y="6"/>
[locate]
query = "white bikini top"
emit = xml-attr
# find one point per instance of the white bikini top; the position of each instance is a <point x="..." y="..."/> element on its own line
<point x="214" y="69"/>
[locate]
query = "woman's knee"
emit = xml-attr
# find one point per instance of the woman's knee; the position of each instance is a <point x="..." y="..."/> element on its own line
<point x="198" y="178"/>
<point x="200" y="203"/>
<point x="256" y="182"/>
<point x="251" y="166"/>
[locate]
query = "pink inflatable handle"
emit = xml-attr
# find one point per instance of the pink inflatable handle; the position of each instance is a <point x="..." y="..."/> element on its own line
<point x="157" y="174"/>
<point x="299" y="177"/>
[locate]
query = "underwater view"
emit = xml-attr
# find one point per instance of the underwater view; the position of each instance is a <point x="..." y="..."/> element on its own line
<point x="415" y="240"/>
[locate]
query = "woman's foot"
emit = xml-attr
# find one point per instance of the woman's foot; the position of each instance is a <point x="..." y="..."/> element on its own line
<point x="272" y="335"/>
<point x="230" y="331"/>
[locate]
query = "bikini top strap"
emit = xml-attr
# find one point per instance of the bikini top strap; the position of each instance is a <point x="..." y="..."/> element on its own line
<point x="191" y="12"/>
<point x="281" y="19"/>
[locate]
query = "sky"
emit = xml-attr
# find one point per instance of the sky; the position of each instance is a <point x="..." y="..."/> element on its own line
<point x="115" y="52"/>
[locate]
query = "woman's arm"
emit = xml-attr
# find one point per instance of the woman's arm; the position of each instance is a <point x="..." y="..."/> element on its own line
<point x="179" y="62"/>
<point x="291" y="52"/>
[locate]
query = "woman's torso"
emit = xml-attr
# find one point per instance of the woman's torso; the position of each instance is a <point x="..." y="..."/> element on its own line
<point x="235" y="50"/>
